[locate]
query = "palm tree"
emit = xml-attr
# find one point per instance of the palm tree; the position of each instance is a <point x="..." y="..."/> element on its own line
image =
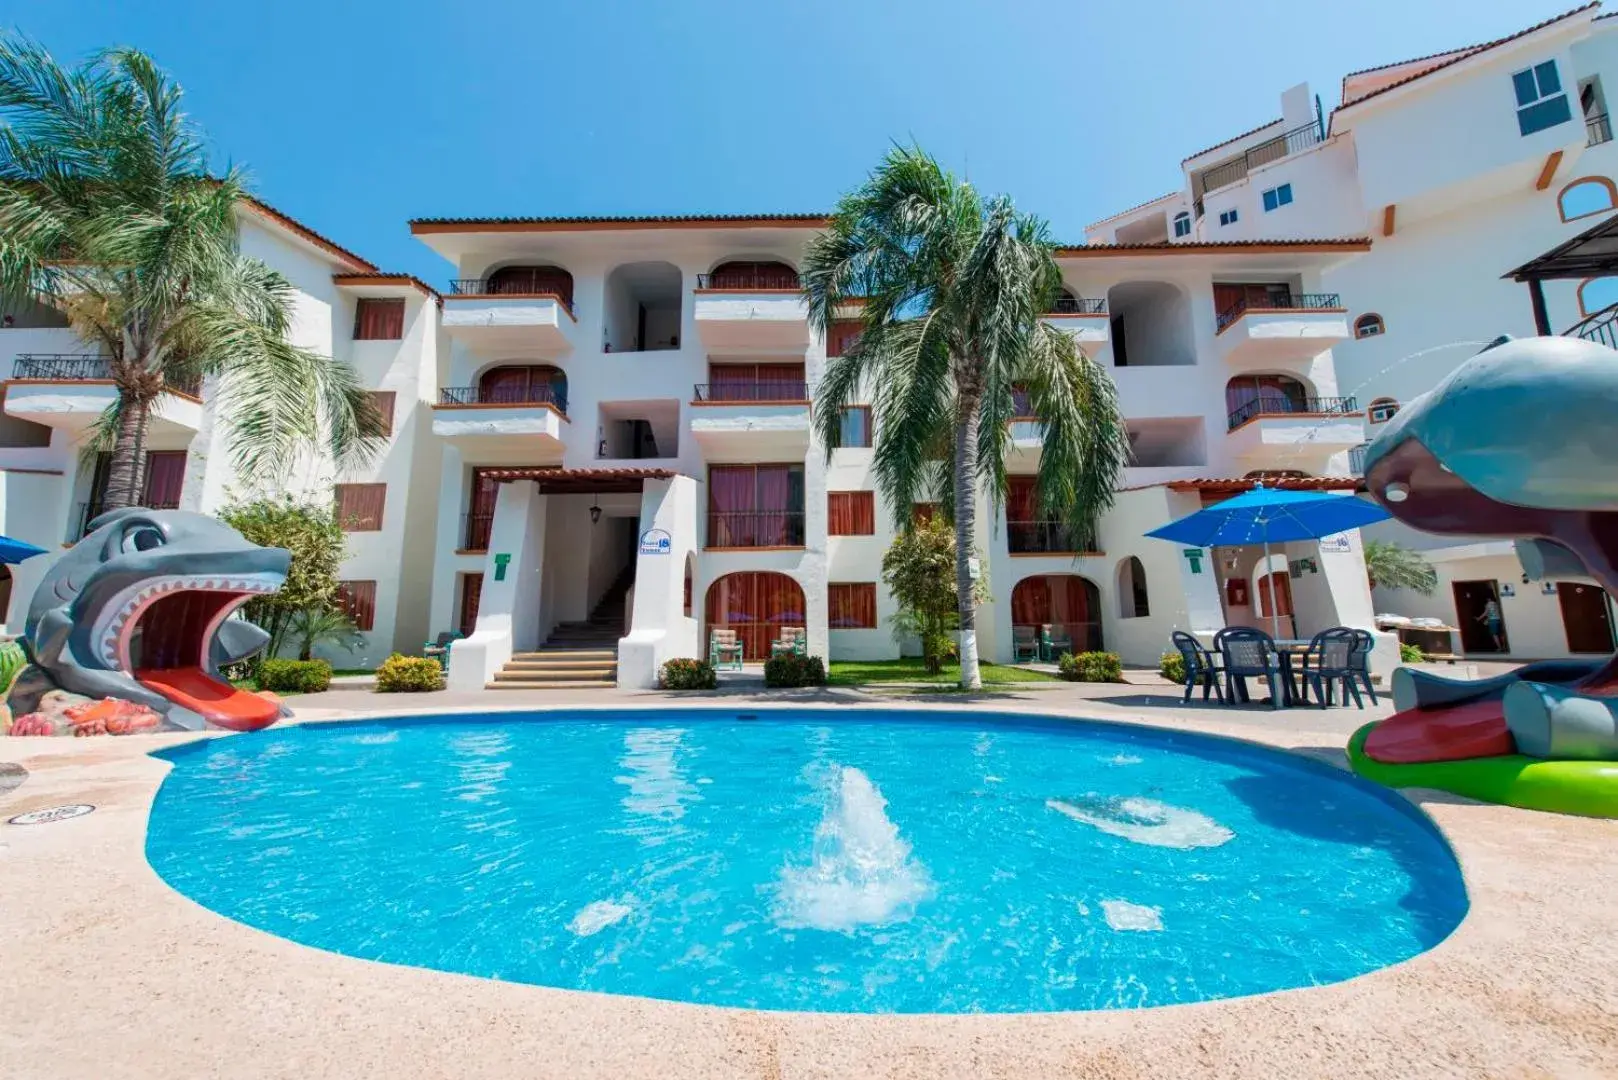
<point x="108" y="214"/>
<point x="951" y="287"/>
<point x="319" y="624"/>
<point x="1394" y="566"/>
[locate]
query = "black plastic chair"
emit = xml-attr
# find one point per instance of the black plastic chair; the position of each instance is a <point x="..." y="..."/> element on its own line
<point x="1330" y="661"/>
<point x="1361" y="661"/>
<point x="1248" y="654"/>
<point x="1200" y="668"/>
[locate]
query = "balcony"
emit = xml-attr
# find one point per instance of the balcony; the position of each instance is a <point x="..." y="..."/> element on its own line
<point x="1084" y="320"/>
<point x="1280" y="329"/>
<point x="529" y="417"/>
<point x="1295" y="433"/>
<point x="1597" y="130"/>
<point x="753" y="309"/>
<point x="71" y="391"/>
<point x="751" y="421"/>
<point x="86" y="512"/>
<point x="488" y="317"/>
<point x="1049" y="538"/>
<point x="756" y="529"/>
<point x="1236" y="170"/>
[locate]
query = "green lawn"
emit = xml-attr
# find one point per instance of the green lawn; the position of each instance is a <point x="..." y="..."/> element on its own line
<point x="910" y="669"/>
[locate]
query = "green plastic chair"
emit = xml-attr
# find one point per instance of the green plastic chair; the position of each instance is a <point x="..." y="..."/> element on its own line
<point x="724" y="650"/>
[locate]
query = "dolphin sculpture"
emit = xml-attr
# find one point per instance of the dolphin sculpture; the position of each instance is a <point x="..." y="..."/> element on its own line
<point x="140" y="610"/>
<point x="1517" y="442"/>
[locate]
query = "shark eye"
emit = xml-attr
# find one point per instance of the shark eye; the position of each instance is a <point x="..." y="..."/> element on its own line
<point x="142" y="538"/>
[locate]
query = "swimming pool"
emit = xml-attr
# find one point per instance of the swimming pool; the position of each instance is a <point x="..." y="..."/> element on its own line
<point x="847" y="861"/>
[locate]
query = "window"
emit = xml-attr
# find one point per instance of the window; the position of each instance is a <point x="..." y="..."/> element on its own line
<point x="855" y="429"/>
<point x="1540" y="101"/>
<point x="841" y="335"/>
<point x="851" y="606"/>
<point x="755" y="506"/>
<point x="756" y="382"/>
<point x="378" y="320"/>
<point x="923" y="512"/>
<point x="1277" y="197"/>
<point x="383" y="400"/>
<point x="1182" y="224"/>
<point x="1369" y="325"/>
<point x="1597" y="294"/>
<point x="1585" y="196"/>
<point x="1382" y="410"/>
<point x="357" y="599"/>
<point x="1228" y="217"/>
<point x="1132" y="599"/>
<point x="471" y="593"/>
<point x="359" y="506"/>
<point x="851" y="513"/>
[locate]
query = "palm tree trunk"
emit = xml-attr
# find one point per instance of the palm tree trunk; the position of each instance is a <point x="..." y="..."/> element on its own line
<point x="126" y="472"/>
<point x="966" y="452"/>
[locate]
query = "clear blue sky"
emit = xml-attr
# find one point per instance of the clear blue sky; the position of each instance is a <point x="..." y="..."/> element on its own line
<point x="357" y="116"/>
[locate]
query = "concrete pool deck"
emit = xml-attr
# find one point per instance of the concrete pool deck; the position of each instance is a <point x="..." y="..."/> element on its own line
<point x="106" y="971"/>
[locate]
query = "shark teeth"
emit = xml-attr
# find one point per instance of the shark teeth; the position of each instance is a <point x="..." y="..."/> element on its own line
<point x="137" y="602"/>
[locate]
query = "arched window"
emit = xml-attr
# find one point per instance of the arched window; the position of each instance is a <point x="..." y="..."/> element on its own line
<point x="533" y="281"/>
<point x="1369" y="325"/>
<point x="1247" y="396"/>
<point x="748" y="275"/>
<point x="1382" y="410"/>
<point x="1597" y="294"/>
<point x="1585" y="196"/>
<point x="1182" y="224"/>
<point x="512" y="384"/>
<point x="1132" y="600"/>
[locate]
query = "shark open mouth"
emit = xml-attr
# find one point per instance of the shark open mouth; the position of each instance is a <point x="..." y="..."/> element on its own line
<point x="160" y="633"/>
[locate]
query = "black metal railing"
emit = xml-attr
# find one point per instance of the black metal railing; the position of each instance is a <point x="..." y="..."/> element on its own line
<point x="475" y="529"/>
<point x="482" y="287"/>
<point x="77" y="367"/>
<point x="1598" y="327"/>
<point x="763" y="390"/>
<point x="87" y="512"/>
<point x="755" y="528"/>
<point x="504" y="395"/>
<point x="1289" y="302"/>
<point x="1048" y="538"/>
<point x="1288" y="142"/>
<point x="1078" y="305"/>
<point x="751" y="280"/>
<point x="1283" y="406"/>
<point x="1597" y="130"/>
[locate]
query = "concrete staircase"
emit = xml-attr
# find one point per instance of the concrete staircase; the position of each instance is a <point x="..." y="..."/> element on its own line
<point x="577" y="655"/>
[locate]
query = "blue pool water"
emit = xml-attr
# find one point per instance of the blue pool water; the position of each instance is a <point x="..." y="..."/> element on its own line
<point x="843" y="861"/>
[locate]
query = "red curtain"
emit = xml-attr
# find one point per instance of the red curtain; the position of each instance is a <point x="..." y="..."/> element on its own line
<point x="851" y="513"/>
<point x="840" y="337"/>
<point x="165" y="476"/>
<point x="774" y="504"/>
<point x="923" y="512"/>
<point x="756" y="606"/>
<point x="1281" y="584"/>
<point x="533" y="281"/>
<point x="378" y="320"/>
<point x="358" y="599"/>
<point x="471" y="592"/>
<point x="1067" y="601"/>
<point x="753" y="275"/>
<point x="522" y="385"/>
<point x="756" y="382"/>
<point x="851" y="606"/>
<point x="1021" y="504"/>
<point x="781" y="382"/>
<point x="359" y="506"/>
<point x="384" y="400"/>
<point x="730" y="505"/>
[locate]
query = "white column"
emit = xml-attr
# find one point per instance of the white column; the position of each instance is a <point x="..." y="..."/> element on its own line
<point x="659" y="628"/>
<point x="508" y="607"/>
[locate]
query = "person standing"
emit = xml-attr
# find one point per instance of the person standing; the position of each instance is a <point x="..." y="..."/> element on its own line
<point x="1492" y="622"/>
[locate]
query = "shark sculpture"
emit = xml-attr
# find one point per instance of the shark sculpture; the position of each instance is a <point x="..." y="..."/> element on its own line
<point x="1517" y="442"/>
<point x="140" y="610"/>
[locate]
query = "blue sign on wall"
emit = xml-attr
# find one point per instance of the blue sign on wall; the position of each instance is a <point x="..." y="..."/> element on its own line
<point x="656" y="542"/>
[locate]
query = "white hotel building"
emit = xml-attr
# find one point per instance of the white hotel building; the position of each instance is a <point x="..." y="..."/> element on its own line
<point x="601" y="445"/>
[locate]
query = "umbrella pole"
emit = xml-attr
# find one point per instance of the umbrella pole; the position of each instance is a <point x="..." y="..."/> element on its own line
<point x="1275" y="607"/>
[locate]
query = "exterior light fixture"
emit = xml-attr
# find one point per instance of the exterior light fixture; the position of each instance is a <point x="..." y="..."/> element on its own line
<point x="595" y="510"/>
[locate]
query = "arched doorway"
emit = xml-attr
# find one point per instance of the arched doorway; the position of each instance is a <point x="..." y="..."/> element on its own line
<point x="755" y="604"/>
<point x="1066" y="602"/>
<point x="1133" y="602"/>
<point x="523" y="384"/>
<point x="1274" y="606"/>
<point x="1247" y="396"/>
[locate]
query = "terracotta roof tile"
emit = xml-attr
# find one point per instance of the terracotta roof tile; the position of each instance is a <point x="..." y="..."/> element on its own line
<point x="1132" y="209"/>
<point x="1234" y="138"/>
<point x="331" y="247"/>
<point x="539" y="224"/>
<point x="1205" y="247"/>
<point x="383" y="277"/>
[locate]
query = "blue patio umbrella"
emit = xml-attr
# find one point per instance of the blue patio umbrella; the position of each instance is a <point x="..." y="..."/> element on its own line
<point x="1265" y="515"/>
<point x="15" y="551"/>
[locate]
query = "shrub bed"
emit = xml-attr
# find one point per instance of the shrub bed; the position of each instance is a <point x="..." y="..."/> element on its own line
<point x="790" y="669"/>
<point x="400" y="674"/>
<point x="1091" y="667"/>
<point x="1172" y="668"/>
<point x="685" y="673"/>
<point x="294" y="676"/>
<point x="1411" y="654"/>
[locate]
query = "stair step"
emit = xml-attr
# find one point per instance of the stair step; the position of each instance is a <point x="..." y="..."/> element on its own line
<point x="566" y="655"/>
<point x="580" y="684"/>
<point x="608" y="674"/>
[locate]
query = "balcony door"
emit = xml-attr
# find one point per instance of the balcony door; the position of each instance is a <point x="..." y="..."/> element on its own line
<point x="165" y="477"/>
<point x="1231" y="296"/>
<point x="755" y="506"/>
